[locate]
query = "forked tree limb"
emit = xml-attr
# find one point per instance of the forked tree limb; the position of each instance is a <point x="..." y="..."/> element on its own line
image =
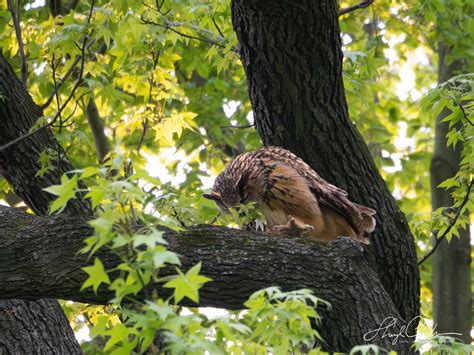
<point x="39" y="259"/>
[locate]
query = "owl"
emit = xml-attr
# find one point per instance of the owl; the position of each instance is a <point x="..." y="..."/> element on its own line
<point x="293" y="198"/>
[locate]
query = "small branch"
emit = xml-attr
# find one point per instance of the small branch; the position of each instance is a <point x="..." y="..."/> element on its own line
<point x="362" y="5"/>
<point x="170" y="26"/>
<point x="201" y="31"/>
<point x="29" y="134"/>
<point x="58" y="147"/>
<point x="16" y="24"/>
<point x="76" y="85"/>
<point x="142" y="137"/>
<point x="217" y="26"/>
<point x="66" y="76"/>
<point x="214" y="220"/>
<point x="176" y="215"/>
<point x="438" y="240"/>
<point x="129" y="169"/>
<point x="246" y="126"/>
<point x="464" y="113"/>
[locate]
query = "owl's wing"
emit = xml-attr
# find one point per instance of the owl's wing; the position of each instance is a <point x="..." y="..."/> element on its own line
<point x="300" y="174"/>
<point x="288" y="190"/>
<point x="360" y="217"/>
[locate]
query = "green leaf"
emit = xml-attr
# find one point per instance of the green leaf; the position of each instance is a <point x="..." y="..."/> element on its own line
<point x="161" y="308"/>
<point x="97" y="194"/>
<point x="65" y="192"/>
<point x="188" y="285"/>
<point x="150" y="240"/>
<point x="89" y="171"/>
<point x="119" y="333"/>
<point x="97" y="276"/>
<point x="161" y="257"/>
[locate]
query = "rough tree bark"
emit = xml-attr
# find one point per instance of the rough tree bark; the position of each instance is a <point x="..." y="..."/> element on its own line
<point x="33" y="250"/>
<point x="292" y="55"/>
<point x="451" y="272"/>
<point x="30" y="327"/>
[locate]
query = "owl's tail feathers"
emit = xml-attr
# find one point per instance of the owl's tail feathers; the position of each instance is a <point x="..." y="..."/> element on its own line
<point x="367" y="223"/>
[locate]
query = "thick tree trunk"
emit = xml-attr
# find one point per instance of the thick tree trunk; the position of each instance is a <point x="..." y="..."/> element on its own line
<point x="33" y="251"/>
<point x="451" y="273"/>
<point x="292" y="55"/>
<point x="35" y="327"/>
<point x="19" y="165"/>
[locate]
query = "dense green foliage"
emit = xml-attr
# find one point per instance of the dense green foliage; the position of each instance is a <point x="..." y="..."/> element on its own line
<point x="172" y="94"/>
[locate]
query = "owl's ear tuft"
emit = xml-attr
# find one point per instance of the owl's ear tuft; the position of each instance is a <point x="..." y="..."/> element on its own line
<point x="215" y="196"/>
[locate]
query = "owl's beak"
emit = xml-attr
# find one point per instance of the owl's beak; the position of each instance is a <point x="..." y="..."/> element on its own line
<point x="215" y="196"/>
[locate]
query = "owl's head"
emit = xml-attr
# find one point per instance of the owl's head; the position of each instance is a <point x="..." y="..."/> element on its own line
<point x="230" y="187"/>
<point x="225" y="192"/>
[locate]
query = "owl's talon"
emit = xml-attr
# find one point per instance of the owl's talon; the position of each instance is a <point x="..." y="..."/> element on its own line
<point x="292" y="228"/>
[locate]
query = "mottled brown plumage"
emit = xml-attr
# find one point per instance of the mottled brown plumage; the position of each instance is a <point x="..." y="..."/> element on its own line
<point x="294" y="199"/>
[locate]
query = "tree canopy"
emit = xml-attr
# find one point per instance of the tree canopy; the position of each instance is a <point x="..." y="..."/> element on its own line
<point x="116" y="116"/>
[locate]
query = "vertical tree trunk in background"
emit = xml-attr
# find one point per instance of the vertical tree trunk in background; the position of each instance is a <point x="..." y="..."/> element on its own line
<point x="451" y="263"/>
<point x="291" y="51"/>
<point x="30" y="327"/>
<point x="35" y="327"/>
<point x="98" y="131"/>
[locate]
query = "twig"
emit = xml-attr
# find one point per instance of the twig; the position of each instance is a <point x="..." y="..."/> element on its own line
<point x="362" y="5"/>
<point x="438" y="240"/>
<point x="129" y="168"/>
<point x="145" y="289"/>
<point x="215" y="218"/>
<point x="21" y="49"/>
<point x="86" y="316"/>
<point x="158" y="7"/>
<point x="217" y="26"/>
<point x="55" y="83"/>
<point x="66" y="76"/>
<point x="71" y="94"/>
<point x="170" y="26"/>
<point x="246" y="126"/>
<point x="145" y="121"/>
<point x="202" y="31"/>
<point x="29" y="134"/>
<point x="464" y="113"/>
<point x="175" y="215"/>
<point x="72" y="112"/>
<point x="58" y="147"/>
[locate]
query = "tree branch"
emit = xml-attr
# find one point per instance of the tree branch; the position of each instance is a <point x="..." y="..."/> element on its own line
<point x="452" y="222"/>
<point x="16" y="24"/>
<point x="66" y="102"/>
<point x="39" y="258"/>
<point x="362" y="5"/>
<point x="245" y="126"/>
<point x="171" y="26"/>
<point x="98" y="132"/>
<point x="66" y="76"/>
